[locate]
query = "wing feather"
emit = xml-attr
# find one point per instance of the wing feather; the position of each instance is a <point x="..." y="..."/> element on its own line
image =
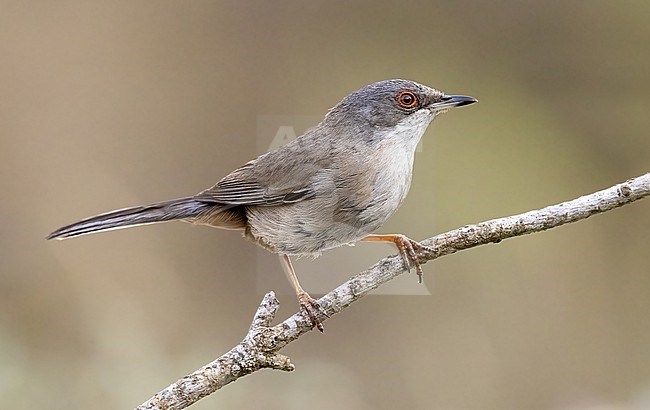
<point x="248" y="186"/>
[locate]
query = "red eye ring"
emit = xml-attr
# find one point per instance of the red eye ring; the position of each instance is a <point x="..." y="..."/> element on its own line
<point x="406" y="99"/>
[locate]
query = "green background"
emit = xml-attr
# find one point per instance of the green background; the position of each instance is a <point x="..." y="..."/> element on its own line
<point x="109" y="104"/>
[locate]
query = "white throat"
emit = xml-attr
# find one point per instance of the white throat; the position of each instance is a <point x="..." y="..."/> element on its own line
<point x="407" y="133"/>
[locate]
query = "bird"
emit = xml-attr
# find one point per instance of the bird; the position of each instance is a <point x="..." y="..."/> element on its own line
<point x="334" y="185"/>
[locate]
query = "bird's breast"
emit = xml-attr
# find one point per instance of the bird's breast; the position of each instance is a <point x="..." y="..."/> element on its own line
<point x="393" y="169"/>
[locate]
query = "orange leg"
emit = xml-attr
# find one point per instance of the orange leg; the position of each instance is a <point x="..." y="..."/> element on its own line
<point x="307" y="303"/>
<point x="406" y="247"/>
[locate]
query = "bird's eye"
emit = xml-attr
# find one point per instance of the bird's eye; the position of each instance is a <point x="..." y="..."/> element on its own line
<point x="406" y="99"/>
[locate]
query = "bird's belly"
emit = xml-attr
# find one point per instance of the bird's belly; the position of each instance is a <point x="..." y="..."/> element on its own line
<point x="295" y="229"/>
<point x="304" y="228"/>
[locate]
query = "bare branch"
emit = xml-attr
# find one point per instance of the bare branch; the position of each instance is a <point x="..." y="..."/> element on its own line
<point x="260" y="347"/>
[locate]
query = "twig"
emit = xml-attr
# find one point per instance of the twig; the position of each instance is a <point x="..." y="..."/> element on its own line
<point x="260" y="347"/>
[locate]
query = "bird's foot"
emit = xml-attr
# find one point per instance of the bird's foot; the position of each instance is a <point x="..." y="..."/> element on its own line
<point x="407" y="248"/>
<point x="312" y="310"/>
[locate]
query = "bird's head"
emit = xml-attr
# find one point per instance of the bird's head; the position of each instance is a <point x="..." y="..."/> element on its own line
<point x="390" y="103"/>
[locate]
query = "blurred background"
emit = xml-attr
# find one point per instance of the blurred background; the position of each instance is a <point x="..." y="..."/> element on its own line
<point x="110" y="104"/>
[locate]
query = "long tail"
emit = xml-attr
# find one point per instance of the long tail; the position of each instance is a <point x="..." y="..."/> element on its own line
<point x="181" y="208"/>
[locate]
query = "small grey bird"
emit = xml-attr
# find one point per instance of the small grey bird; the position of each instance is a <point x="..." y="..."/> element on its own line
<point x="334" y="185"/>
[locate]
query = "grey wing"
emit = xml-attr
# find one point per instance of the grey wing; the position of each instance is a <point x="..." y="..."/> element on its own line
<point x="262" y="182"/>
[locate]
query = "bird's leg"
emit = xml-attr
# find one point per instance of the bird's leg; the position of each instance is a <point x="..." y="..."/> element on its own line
<point x="307" y="303"/>
<point x="406" y="247"/>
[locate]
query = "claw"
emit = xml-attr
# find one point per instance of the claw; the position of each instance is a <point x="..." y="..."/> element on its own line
<point x="407" y="248"/>
<point x="312" y="310"/>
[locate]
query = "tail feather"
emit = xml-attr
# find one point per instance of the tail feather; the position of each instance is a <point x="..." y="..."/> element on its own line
<point x="182" y="208"/>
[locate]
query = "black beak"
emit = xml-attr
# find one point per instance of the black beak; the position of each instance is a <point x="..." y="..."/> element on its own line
<point x="449" y="101"/>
